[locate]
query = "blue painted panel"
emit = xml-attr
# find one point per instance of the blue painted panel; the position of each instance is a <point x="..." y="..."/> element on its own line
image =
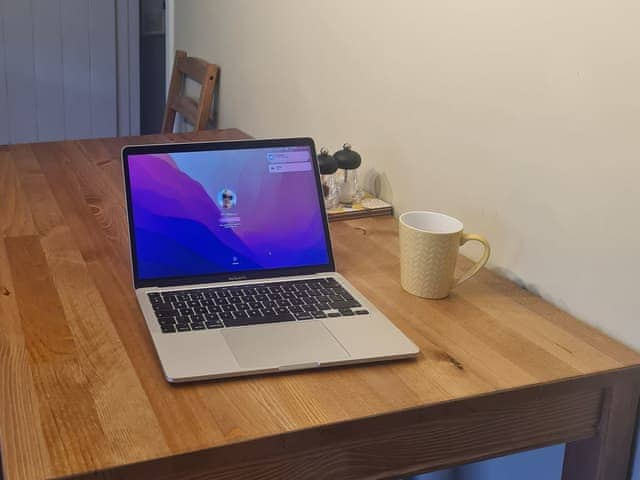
<point x="47" y="39"/>
<point x="439" y="475"/>
<point x="635" y="470"/>
<point x="103" y="68"/>
<point x="76" y="60"/>
<point x="20" y="75"/>
<point x="134" y="67"/>
<point x="543" y="463"/>
<point x="4" y="106"/>
<point x="122" y="28"/>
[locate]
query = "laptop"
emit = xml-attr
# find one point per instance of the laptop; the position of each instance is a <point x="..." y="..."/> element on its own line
<point x="233" y="267"/>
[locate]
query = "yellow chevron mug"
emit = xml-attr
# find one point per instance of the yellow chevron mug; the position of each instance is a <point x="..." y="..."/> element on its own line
<point x="429" y="244"/>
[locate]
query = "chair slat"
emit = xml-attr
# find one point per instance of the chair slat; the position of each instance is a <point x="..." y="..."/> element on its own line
<point x="187" y="107"/>
<point x="196" y="113"/>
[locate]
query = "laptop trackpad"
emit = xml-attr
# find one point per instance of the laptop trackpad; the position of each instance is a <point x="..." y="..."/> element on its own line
<point x="283" y="344"/>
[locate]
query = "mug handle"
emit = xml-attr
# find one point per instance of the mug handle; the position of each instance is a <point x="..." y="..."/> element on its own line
<point x="480" y="263"/>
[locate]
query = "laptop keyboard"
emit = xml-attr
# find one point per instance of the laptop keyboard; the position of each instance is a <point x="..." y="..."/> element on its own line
<point x="234" y="306"/>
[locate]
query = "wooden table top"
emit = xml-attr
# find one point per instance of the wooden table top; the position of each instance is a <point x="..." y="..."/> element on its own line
<point x="81" y="388"/>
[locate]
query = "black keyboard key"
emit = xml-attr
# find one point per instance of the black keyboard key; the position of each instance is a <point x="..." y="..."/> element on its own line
<point x="167" y="314"/>
<point x="168" y="329"/>
<point x="346" y="312"/>
<point x="319" y="314"/>
<point x="361" y="312"/>
<point x="226" y="315"/>
<point x="183" y="327"/>
<point x="345" y="304"/>
<point x="162" y="307"/>
<point x="304" y="316"/>
<point x="212" y="325"/>
<point x="197" y="326"/>
<point x="237" y="322"/>
<point x="334" y="314"/>
<point x="211" y="317"/>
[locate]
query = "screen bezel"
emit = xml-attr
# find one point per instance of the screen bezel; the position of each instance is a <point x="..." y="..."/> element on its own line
<point x="214" y="146"/>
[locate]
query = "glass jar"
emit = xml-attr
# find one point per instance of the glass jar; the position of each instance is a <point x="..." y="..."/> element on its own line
<point x="349" y="188"/>
<point x="328" y="166"/>
<point x="330" y="191"/>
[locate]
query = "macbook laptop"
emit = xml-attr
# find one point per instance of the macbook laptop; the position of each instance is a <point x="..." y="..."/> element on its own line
<point x="232" y="263"/>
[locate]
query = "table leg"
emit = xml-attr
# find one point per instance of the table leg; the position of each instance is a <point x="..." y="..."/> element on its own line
<point x="607" y="456"/>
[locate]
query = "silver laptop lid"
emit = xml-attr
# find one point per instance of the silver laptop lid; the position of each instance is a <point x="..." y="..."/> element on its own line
<point x="218" y="211"/>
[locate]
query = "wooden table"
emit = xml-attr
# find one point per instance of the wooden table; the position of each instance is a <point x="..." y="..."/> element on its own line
<point x="82" y="393"/>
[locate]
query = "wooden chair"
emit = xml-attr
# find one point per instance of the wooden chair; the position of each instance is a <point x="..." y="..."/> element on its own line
<point x="195" y="113"/>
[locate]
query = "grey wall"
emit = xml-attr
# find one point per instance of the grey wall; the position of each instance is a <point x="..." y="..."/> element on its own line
<point x="68" y="69"/>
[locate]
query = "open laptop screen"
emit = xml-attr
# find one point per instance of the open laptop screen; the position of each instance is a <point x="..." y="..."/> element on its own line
<point x="224" y="211"/>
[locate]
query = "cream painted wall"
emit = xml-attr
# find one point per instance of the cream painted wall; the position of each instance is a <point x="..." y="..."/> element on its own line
<point x="522" y="118"/>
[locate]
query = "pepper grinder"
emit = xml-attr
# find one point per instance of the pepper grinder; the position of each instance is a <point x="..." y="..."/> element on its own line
<point x="348" y="162"/>
<point x="328" y="166"/>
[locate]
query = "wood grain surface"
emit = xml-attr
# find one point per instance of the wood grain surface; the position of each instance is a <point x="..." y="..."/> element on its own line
<point x="82" y="392"/>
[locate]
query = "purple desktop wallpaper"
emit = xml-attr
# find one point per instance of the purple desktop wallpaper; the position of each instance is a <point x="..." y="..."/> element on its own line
<point x="200" y="213"/>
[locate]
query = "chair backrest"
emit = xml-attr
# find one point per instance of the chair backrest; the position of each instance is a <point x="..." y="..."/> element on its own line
<point x="194" y="112"/>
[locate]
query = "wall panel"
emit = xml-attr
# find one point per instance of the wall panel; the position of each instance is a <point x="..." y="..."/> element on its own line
<point x="49" y="86"/>
<point x="4" y="124"/>
<point x="20" y="71"/>
<point x="76" y="66"/>
<point x="102" y="30"/>
<point x="68" y="69"/>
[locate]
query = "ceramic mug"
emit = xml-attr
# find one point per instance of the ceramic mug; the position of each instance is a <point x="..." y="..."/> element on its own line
<point x="429" y="244"/>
